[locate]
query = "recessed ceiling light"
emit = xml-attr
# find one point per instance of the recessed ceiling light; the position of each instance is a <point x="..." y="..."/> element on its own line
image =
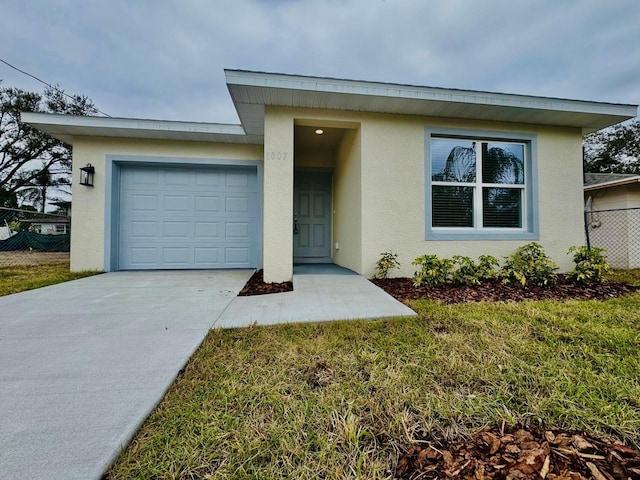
<point x="319" y="131"/>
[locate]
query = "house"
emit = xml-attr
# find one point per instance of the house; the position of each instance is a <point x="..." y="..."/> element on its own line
<point x="48" y="225"/>
<point x="330" y="170"/>
<point x="612" y="205"/>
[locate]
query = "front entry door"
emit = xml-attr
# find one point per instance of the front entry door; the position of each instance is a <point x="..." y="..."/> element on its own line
<point x="312" y="217"/>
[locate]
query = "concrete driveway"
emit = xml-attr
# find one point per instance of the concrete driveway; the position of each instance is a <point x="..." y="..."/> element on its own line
<point x="83" y="363"/>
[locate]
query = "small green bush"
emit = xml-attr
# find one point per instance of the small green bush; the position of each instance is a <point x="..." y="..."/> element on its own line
<point x="487" y="267"/>
<point x="591" y="265"/>
<point x="433" y="270"/>
<point x="387" y="262"/>
<point x="468" y="272"/>
<point x="529" y="264"/>
<point x="465" y="271"/>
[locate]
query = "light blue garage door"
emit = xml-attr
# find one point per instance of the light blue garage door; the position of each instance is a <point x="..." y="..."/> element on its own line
<point x="174" y="218"/>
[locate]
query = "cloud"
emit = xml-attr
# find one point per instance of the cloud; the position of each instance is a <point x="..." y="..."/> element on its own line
<point x="166" y="59"/>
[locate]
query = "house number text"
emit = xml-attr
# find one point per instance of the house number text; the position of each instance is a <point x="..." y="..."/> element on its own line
<point x="275" y="155"/>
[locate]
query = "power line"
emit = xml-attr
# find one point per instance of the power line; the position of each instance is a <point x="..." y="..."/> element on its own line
<point x="47" y="84"/>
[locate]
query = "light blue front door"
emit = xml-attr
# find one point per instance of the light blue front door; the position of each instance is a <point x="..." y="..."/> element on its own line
<point x="312" y="217"/>
<point x="187" y="217"/>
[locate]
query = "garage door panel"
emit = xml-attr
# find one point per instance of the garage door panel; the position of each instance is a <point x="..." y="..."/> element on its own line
<point x="176" y="178"/>
<point x="207" y="203"/>
<point x="142" y="229"/>
<point x="144" y="203"/>
<point x="208" y="178"/>
<point x="174" y="230"/>
<point x="207" y="230"/>
<point x="188" y="218"/>
<point x="141" y="256"/>
<point x="176" y="203"/>
<point x="143" y="177"/>
<point x="177" y="256"/>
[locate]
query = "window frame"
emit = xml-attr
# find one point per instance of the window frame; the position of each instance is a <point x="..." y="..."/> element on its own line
<point x="529" y="229"/>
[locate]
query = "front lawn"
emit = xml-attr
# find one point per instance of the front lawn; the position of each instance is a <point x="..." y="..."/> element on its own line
<point x="20" y="278"/>
<point x="345" y="399"/>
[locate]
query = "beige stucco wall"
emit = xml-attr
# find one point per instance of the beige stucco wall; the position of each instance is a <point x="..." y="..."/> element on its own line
<point x="347" y="203"/>
<point x="277" y="243"/>
<point x="392" y="190"/>
<point x="88" y="232"/>
<point x="379" y="188"/>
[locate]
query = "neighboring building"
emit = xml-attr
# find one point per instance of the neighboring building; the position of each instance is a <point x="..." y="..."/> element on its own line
<point x="612" y="202"/>
<point x="328" y="170"/>
<point x="49" y="225"/>
<point x="64" y="207"/>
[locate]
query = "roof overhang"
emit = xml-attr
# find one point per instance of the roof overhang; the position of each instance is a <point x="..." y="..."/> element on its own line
<point x="613" y="183"/>
<point x="66" y="127"/>
<point x="252" y="91"/>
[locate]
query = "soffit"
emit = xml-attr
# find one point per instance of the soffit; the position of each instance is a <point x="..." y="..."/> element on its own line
<point x="66" y="127"/>
<point x="252" y="91"/>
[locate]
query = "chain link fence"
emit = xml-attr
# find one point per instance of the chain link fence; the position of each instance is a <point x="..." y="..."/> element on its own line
<point x="617" y="231"/>
<point x="33" y="238"/>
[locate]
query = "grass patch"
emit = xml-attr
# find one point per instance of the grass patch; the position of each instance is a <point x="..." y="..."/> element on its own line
<point x="20" y="278"/>
<point x="245" y="406"/>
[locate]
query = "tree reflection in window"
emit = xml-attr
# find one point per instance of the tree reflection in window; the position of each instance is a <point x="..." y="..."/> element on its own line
<point x="499" y="191"/>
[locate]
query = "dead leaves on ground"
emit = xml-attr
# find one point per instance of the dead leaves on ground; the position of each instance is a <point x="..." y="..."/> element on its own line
<point x="521" y="454"/>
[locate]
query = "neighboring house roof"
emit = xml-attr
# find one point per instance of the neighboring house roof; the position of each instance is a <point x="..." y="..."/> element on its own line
<point x="44" y="220"/>
<point x="596" y="181"/>
<point x="252" y="91"/>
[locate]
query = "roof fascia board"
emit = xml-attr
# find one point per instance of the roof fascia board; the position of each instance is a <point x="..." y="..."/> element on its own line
<point x="613" y="183"/>
<point x="131" y="124"/>
<point x="357" y="87"/>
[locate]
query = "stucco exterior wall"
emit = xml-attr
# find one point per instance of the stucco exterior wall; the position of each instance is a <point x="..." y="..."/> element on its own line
<point x="320" y="159"/>
<point x="347" y="203"/>
<point x="88" y="234"/>
<point x="392" y="196"/>
<point x="394" y="192"/>
<point x="379" y="188"/>
<point x="277" y="243"/>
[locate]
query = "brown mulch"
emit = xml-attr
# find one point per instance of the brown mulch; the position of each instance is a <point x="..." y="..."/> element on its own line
<point x="519" y="453"/>
<point x="494" y="291"/>
<point x="256" y="286"/>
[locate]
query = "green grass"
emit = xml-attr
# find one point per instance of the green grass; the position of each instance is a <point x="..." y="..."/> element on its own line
<point x="21" y="278"/>
<point x="243" y="408"/>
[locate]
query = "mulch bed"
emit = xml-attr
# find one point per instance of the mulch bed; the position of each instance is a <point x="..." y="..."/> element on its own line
<point x="519" y="453"/>
<point x="256" y="286"/>
<point x="403" y="290"/>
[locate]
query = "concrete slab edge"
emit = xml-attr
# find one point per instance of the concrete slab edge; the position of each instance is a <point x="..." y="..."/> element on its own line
<point x="129" y="436"/>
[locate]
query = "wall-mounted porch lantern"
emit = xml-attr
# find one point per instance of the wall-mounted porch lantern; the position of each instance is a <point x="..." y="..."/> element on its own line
<point x="86" y="175"/>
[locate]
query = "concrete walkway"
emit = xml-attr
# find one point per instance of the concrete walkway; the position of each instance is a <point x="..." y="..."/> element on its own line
<point x="83" y="363"/>
<point x="320" y="293"/>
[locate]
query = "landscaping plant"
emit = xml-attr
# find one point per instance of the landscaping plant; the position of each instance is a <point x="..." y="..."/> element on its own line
<point x="591" y="265"/>
<point x="465" y="271"/>
<point x="387" y="262"/>
<point x="529" y="264"/>
<point x="432" y="270"/>
<point x="487" y="267"/>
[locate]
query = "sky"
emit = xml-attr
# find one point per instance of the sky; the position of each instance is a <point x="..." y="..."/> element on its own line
<point x="164" y="59"/>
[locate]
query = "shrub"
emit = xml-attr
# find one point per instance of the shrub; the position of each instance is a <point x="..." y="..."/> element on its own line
<point x="531" y="264"/>
<point x="591" y="265"/>
<point x="465" y="271"/>
<point x="468" y="272"/>
<point x="388" y="261"/>
<point x="433" y="270"/>
<point x="487" y="267"/>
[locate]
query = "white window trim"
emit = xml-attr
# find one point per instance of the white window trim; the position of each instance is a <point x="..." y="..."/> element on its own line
<point x="529" y="230"/>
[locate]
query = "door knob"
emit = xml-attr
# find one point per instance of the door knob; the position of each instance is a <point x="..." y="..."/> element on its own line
<point x="295" y="224"/>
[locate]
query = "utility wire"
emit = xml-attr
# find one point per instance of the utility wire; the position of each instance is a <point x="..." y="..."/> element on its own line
<point x="47" y="84"/>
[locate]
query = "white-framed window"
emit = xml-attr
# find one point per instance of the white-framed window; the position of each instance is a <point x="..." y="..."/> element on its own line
<point x="480" y="185"/>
